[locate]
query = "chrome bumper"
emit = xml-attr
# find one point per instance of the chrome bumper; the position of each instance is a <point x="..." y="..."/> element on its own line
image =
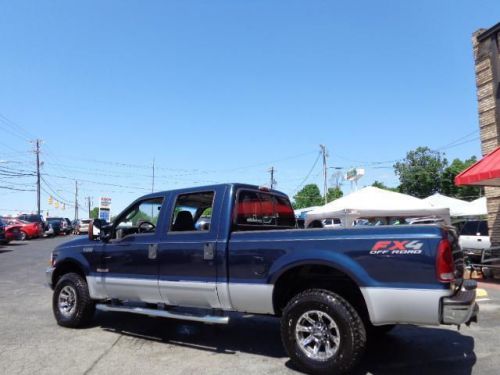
<point x="461" y="307"/>
<point x="48" y="275"/>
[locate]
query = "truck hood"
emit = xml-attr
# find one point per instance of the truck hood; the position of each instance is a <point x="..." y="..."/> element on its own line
<point x="76" y="244"/>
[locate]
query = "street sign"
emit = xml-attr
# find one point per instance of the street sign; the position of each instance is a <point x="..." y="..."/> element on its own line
<point x="105" y="208"/>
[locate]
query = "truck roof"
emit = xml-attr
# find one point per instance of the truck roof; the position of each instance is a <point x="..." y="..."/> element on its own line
<point x="235" y="185"/>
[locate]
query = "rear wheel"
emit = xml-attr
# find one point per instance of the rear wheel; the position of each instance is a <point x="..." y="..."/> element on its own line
<point x="71" y="302"/>
<point x="322" y="333"/>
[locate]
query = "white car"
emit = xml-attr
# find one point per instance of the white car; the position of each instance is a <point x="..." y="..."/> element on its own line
<point x="82" y="226"/>
<point x="474" y="239"/>
<point x="332" y="223"/>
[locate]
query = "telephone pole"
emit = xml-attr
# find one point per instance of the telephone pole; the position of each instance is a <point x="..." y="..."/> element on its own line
<point x="76" y="199"/>
<point x="325" y="171"/>
<point x="272" y="181"/>
<point x="89" y="203"/>
<point x="37" y="152"/>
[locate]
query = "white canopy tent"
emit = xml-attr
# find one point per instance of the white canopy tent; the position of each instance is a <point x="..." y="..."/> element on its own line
<point x="457" y="206"/>
<point x="298" y="212"/>
<point x="476" y="208"/>
<point x="374" y="202"/>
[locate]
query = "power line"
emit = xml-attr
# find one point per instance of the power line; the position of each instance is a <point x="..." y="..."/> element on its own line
<point x="309" y="173"/>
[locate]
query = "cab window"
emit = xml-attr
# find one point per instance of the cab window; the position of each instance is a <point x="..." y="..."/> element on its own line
<point x="192" y="212"/>
<point x="140" y="218"/>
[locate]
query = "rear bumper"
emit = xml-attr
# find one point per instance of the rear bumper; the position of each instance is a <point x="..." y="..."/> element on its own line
<point x="461" y="307"/>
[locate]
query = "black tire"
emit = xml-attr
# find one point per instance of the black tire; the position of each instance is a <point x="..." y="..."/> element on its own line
<point x="349" y="329"/>
<point x="83" y="307"/>
<point x="23" y="236"/>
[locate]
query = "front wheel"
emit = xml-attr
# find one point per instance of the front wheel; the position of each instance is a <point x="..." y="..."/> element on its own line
<point x="71" y="302"/>
<point x="322" y="333"/>
<point x="23" y="236"/>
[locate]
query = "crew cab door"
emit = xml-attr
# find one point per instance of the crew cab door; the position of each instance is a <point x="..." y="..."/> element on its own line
<point x="130" y="259"/>
<point x="189" y="256"/>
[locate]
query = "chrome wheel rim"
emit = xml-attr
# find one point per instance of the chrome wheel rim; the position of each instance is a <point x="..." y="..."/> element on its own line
<point x="67" y="300"/>
<point x="317" y="335"/>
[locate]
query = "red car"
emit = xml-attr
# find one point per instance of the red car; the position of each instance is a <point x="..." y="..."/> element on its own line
<point x="8" y="232"/>
<point x="26" y="230"/>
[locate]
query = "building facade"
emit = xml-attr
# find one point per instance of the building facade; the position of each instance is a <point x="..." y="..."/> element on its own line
<point x="486" y="44"/>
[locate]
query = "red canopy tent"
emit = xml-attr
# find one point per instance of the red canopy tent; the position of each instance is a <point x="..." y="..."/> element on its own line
<point x="486" y="172"/>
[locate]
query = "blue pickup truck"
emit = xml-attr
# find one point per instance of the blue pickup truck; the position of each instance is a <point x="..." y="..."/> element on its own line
<point x="198" y="253"/>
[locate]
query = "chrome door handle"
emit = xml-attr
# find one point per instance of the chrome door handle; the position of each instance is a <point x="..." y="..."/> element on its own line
<point x="209" y="251"/>
<point x="153" y="251"/>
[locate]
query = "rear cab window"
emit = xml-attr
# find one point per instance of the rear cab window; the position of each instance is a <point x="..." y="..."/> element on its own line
<point x="258" y="210"/>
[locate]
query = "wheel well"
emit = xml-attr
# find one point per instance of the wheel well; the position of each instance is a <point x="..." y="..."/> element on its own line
<point x="300" y="278"/>
<point x="65" y="268"/>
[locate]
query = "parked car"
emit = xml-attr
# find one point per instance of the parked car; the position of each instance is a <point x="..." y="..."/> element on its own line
<point x="82" y="226"/>
<point x="331" y="288"/>
<point x="26" y="229"/>
<point x="11" y="232"/>
<point x="68" y="228"/>
<point x="2" y="233"/>
<point x="49" y="232"/>
<point x="57" y="224"/>
<point x="332" y="223"/>
<point x="425" y="220"/>
<point x="474" y="239"/>
<point x="34" y="218"/>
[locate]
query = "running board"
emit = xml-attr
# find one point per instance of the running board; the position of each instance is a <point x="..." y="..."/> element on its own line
<point x="164" y="314"/>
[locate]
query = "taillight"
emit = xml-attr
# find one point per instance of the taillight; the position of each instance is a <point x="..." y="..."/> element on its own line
<point x="444" y="262"/>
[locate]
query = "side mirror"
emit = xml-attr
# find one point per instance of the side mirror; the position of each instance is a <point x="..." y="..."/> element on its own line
<point x="96" y="227"/>
<point x="97" y="223"/>
<point x="105" y="232"/>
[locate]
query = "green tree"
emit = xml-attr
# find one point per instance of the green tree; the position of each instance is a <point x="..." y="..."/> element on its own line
<point x="308" y="196"/>
<point x="94" y="214"/>
<point x="420" y="172"/>
<point x="448" y="186"/>
<point x="381" y="185"/>
<point x="334" y="193"/>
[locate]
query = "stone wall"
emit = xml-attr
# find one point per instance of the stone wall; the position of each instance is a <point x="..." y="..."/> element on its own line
<point x="486" y="44"/>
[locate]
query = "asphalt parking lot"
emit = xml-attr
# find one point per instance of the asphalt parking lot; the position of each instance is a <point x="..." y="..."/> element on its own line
<point x="32" y="343"/>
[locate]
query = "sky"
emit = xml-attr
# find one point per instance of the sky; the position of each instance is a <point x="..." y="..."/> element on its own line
<point x="220" y="91"/>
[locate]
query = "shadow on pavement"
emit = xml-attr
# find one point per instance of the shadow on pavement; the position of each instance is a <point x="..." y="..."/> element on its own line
<point x="406" y="350"/>
<point x="4" y="250"/>
<point x="14" y="244"/>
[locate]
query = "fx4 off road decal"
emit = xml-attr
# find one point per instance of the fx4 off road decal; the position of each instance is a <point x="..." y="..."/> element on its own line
<point x="397" y="247"/>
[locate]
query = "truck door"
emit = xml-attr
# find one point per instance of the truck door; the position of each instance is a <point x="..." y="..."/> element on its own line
<point x="130" y="259"/>
<point x="192" y="249"/>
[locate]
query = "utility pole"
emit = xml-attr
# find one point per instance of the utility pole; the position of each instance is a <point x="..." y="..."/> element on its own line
<point x="37" y="152"/>
<point x="325" y="171"/>
<point x="89" y="204"/>
<point x="76" y="199"/>
<point x="272" y="181"/>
